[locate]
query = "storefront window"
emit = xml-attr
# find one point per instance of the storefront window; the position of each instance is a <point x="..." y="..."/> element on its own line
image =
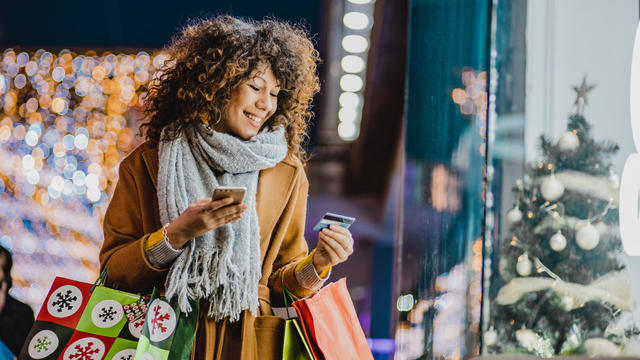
<point x="439" y="249"/>
<point x="559" y="274"/>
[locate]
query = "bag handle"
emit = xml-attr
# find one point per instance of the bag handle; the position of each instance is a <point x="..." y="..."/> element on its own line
<point x="100" y="280"/>
<point x="286" y="294"/>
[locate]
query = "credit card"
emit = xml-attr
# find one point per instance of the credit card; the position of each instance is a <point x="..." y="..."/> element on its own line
<point x="334" y="219"/>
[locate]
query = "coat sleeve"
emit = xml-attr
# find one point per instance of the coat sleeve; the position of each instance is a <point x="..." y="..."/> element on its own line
<point x="294" y="246"/>
<point x="122" y="251"/>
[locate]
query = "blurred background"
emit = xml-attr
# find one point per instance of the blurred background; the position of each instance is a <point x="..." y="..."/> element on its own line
<point x="429" y="115"/>
<point x="72" y="84"/>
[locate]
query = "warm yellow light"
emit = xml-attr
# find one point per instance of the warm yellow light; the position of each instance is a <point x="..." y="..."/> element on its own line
<point x="59" y="105"/>
<point x="459" y="96"/>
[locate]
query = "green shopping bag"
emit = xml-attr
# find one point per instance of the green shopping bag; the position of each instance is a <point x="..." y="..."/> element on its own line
<point x="167" y="333"/>
<point x="294" y="345"/>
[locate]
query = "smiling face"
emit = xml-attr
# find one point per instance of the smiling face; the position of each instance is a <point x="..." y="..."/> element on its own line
<point x="252" y="103"/>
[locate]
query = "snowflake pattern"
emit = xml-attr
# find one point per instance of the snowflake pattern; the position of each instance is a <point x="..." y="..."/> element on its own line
<point x="107" y="314"/>
<point x="64" y="300"/>
<point x="158" y="319"/>
<point x="42" y="344"/>
<point x="138" y="324"/>
<point x="84" y="352"/>
<point x="161" y="320"/>
<point x="126" y="354"/>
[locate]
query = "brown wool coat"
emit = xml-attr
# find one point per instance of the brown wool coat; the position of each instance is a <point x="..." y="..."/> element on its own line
<point x="281" y="206"/>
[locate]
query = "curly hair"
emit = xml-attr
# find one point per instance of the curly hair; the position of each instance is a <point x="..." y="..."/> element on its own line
<point x="210" y="57"/>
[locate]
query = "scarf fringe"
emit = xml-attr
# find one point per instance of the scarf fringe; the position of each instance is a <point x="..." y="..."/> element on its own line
<point x="223" y="265"/>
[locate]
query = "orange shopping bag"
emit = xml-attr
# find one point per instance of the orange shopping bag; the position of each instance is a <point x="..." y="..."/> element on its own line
<point x="331" y="325"/>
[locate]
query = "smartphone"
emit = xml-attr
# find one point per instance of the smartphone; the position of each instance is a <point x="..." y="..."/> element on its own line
<point x="236" y="192"/>
<point x="334" y="219"/>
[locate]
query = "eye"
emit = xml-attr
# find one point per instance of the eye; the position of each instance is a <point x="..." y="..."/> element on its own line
<point x="254" y="87"/>
<point x="274" y="95"/>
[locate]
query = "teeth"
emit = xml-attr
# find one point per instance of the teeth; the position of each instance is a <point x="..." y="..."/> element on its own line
<point x="254" y="118"/>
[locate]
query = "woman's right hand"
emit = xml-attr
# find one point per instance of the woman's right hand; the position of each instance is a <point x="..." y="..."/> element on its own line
<point x="202" y="216"/>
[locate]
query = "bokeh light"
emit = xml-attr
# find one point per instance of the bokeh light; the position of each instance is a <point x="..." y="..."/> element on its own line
<point x="63" y="131"/>
<point x="355" y="20"/>
<point x="350" y="82"/>
<point x="352" y="64"/>
<point x="355" y="43"/>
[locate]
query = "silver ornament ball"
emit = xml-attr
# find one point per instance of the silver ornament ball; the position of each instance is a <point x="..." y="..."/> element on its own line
<point x="558" y="242"/>
<point x="514" y="215"/>
<point x="523" y="266"/>
<point x="551" y="188"/>
<point x="568" y="141"/>
<point x="588" y="237"/>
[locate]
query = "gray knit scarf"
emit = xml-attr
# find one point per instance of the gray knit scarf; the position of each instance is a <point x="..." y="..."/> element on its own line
<point x="222" y="266"/>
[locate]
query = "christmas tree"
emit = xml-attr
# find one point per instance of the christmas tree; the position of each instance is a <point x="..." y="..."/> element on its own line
<point x="562" y="287"/>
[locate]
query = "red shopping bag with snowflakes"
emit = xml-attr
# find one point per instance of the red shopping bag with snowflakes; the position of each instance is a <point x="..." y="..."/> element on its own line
<point x="167" y="333"/>
<point x="83" y="321"/>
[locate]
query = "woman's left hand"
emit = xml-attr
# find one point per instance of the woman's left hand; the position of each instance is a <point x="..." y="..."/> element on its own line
<point x="335" y="244"/>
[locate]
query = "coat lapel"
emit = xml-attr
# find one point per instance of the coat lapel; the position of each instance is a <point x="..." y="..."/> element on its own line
<point x="150" y="157"/>
<point x="274" y="189"/>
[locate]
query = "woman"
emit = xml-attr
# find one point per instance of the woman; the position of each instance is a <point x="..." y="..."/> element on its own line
<point x="229" y="109"/>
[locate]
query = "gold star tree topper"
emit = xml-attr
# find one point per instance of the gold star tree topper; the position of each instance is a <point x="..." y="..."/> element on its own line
<point x="581" y="95"/>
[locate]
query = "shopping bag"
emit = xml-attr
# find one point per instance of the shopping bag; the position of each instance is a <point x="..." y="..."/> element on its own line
<point x="80" y="320"/>
<point x="331" y="326"/>
<point x="294" y="344"/>
<point x="167" y="332"/>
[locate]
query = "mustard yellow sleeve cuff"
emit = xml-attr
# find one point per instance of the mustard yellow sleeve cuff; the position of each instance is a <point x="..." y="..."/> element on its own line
<point x="158" y="251"/>
<point x="307" y="275"/>
<point x="153" y="239"/>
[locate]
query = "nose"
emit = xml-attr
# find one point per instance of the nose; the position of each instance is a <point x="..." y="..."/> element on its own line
<point x="264" y="102"/>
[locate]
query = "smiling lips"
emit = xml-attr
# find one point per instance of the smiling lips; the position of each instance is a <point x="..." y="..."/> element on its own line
<point x="254" y="120"/>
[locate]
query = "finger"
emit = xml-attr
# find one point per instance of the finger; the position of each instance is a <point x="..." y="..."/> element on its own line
<point x="340" y="229"/>
<point x="229" y="210"/>
<point x="345" y="240"/>
<point x="332" y="247"/>
<point x="217" y="204"/>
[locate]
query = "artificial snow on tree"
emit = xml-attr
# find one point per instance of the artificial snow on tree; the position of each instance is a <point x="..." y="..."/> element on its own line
<point x="562" y="288"/>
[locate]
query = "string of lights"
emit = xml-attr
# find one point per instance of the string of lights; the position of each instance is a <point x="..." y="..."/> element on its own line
<point x="357" y="22"/>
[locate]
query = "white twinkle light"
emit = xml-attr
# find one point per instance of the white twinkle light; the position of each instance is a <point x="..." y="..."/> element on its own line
<point x="347" y="131"/>
<point x="348" y="115"/>
<point x="352" y="64"/>
<point x="350" y="82"/>
<point x="349" y="99"/>
<point x="355" y="43"/>
<point x="355" y="20"/>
